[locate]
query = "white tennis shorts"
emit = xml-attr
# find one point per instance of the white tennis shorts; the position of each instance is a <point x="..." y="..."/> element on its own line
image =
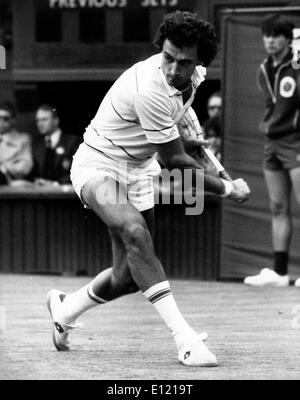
<point x="136" y="182"/>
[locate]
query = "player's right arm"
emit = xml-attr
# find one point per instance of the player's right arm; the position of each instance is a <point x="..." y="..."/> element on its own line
<point x="174" y="156"/>
<point x="155" y="115"/>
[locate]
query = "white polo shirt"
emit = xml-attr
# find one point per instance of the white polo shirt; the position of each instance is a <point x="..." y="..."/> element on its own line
<point x="139" y="110"/>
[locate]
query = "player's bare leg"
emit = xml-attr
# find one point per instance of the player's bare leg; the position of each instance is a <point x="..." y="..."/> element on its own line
<point x="111" y="283"/>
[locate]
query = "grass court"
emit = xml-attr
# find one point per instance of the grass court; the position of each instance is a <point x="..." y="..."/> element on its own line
<point x="249" y="331"/>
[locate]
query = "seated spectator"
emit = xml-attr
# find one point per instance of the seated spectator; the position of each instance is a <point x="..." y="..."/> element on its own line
<point x="212" y="127"/>
<point x="212" y="130"/>
<point x="214" y="105"/>
<point x="15" y="148"/>
<point x="53" y="150"/>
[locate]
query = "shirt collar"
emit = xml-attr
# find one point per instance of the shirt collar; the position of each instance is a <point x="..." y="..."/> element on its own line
<point x="54" y="138"/>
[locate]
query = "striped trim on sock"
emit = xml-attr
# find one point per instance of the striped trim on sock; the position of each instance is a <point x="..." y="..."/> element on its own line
<point x="158" y="292"/>
<point x="159" y="295"/>
<point x="93" y="297"/>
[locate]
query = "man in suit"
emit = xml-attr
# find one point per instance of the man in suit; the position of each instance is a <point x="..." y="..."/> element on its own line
<point x="53" y="150"/>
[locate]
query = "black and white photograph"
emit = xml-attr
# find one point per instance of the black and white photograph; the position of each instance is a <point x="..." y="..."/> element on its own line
<point x="149" y="193"/>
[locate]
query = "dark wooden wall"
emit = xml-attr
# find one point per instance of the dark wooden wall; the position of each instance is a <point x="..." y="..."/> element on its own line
<point x="52" y="233"/>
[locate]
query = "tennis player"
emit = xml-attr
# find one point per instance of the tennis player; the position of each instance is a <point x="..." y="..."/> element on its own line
<point x="136" y="119"/>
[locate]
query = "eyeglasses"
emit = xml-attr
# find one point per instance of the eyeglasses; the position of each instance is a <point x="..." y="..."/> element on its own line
<point x="5" y="117"/>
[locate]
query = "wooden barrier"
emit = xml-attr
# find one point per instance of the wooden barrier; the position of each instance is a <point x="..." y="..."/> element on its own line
<point x="47" y="230"/>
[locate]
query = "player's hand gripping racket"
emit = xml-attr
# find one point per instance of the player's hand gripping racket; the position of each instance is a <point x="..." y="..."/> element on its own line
<point x="220" y="169"/>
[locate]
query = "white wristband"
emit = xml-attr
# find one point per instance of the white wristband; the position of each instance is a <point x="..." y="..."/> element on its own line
<point x="228" y="186"/>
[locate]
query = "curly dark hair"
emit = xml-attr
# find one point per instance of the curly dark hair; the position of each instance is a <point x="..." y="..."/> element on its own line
<point x="186" y="29"/>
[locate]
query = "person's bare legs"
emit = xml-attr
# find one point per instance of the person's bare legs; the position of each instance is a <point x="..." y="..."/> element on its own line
<point x="127" y="224"/>
<point x="118" y="281"/>
<point x="112" y="282"/>
<point x="279" y="189"/>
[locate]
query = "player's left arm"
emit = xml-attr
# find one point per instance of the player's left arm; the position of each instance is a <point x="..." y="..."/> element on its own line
<point x="173" y="155"/>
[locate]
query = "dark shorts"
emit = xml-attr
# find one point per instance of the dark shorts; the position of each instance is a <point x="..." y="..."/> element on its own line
<point x="283" y="153"/>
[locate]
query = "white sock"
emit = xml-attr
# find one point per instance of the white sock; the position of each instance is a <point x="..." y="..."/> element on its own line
<point x="162" y="299"/>
<point x="78" y="302"/>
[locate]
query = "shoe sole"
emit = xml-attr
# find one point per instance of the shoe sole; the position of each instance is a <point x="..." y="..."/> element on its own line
<point x="207" y="365"/>
<point x="212" y="363"/>
<point x="266" y="284"/>
<point x="59" y="347"/>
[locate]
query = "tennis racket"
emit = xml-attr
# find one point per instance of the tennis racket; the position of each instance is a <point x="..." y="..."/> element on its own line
<point x="192" y="119"/>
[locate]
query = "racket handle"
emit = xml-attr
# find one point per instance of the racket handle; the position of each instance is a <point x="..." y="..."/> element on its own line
<point x="224" y="175"/>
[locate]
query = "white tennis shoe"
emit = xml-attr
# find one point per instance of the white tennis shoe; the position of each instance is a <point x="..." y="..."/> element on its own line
<point x="60" y="330"/>
<point x="267" y="277"/>
<point x="194" y="353"/>
<point x="297" y="282"/>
